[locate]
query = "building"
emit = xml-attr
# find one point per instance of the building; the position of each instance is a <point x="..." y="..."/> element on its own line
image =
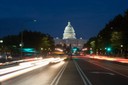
<point x="69" y="32"/>
<point x="69" y="38"/>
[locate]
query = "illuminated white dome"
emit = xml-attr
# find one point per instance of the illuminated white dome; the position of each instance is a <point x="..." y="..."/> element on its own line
<point x="69" y="32"/>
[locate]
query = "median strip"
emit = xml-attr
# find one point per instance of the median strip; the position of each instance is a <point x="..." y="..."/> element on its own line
<point x="58" y="76"/>
<point x="83" y="76"/>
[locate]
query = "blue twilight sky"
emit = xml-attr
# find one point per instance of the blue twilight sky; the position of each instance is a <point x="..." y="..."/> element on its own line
<point x="87" y="17"/>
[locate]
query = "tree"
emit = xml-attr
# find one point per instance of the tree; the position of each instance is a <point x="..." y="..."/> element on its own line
<point x="11" y="44"/>
<point x="114" y="34"/>
<point x="116" y="39"/>
<point x="36" y="40"/>
<point x="91" y="43"/>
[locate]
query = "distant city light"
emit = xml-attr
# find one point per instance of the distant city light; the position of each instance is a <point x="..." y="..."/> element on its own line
<point x="59" y="49"/>
<point x="84" y="49"/>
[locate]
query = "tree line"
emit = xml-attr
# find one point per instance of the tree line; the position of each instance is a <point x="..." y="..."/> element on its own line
<point x="112" y="39"/>
<point x="29" y="39"/>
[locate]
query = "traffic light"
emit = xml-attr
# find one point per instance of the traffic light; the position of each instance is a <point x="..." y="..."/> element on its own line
<point x="108" y="49"/>
<point x="74" y="49"/>
<point x="91" y="51"/>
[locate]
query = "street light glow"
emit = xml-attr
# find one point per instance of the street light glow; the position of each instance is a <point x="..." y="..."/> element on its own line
<point x="1" y="41"/>
<point x="121" y="45"/>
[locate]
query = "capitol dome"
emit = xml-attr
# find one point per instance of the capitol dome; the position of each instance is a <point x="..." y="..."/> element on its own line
<point x="69" y="32"/>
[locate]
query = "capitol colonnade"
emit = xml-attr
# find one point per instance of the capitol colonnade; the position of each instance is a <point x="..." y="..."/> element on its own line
<point x="69" y="38"/>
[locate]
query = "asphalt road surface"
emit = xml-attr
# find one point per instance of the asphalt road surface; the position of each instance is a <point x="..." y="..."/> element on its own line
<point x="78" y="71"/>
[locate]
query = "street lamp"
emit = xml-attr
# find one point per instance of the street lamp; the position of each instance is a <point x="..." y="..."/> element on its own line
<point x="1" y="41"/>
<point x="121" y="49"/>
<point x="22" y="36"/>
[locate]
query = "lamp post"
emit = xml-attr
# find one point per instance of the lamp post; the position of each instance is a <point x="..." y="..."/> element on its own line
<point x="22" y="36"/>
<point x="121" y="49"/>
<point x="1" y="42"/>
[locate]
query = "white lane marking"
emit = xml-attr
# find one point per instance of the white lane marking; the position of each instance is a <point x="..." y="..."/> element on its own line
<point x="58" y="76"/>
<point x="108" y="69"/>
<point x="82" y="74"/>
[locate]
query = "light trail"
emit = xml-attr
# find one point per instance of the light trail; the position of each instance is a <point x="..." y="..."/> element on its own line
<point x="20" y="61"/>
<point x="56" y="60"/>
<point x="11" y="72"/>
<point x="121" y="60"/>
<point x="23" y="66"/>
<point x="17" y="73"/>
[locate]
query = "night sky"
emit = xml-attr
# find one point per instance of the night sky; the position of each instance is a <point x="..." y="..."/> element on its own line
<point x="87" y="17"/>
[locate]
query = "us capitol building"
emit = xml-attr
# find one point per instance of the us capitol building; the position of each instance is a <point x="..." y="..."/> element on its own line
<point x="69" y="38"/>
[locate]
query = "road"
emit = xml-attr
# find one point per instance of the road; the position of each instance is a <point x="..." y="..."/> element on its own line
<point x="78" y="71"/>
<point x="104" y="72"/>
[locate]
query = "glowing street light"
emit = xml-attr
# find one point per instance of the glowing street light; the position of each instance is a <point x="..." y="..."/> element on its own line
<point x="1" y="41"/>
<point x="121" y="48"/>
<point x="121" y="45"/>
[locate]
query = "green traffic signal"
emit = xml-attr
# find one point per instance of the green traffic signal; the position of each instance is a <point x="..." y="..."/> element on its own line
<point x="109" y="49"/>
<point x="75" y="49"/>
